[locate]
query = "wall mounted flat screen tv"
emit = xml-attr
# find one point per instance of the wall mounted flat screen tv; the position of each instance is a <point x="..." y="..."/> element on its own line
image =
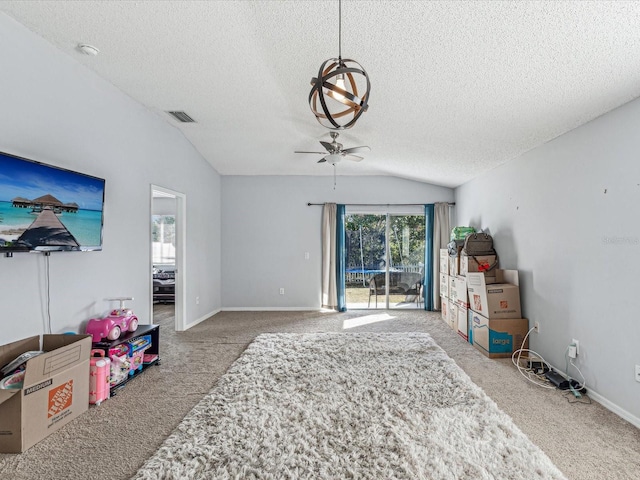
<point x="46" y="208"/>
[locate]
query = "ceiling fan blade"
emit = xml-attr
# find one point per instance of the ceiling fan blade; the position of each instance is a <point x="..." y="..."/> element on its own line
<point x="355" y="158"/>
<point x="319" y="153"/>
<point x="363" y="148"/>
<point x="322" y="160"/>
<point x="327" y="145"/>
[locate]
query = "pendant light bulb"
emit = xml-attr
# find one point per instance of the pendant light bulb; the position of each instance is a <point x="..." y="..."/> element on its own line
<point x="341" y="85"/>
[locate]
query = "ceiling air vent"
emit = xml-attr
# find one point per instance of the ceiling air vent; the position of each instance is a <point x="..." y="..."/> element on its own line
<point x="182" y="117"/>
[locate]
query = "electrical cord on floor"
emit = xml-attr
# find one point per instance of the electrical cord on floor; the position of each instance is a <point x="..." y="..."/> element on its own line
<point x="48" y="293"/>
<point x="528" y="372"/>
<point x="572" y="395"/>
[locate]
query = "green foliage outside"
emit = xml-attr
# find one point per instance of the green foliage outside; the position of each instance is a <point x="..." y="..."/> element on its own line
<point x="163" y="226"/>
<point x="365" y="240"/>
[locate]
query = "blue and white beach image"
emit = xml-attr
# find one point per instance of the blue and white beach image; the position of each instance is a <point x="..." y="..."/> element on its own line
<point x="47" y="206"/>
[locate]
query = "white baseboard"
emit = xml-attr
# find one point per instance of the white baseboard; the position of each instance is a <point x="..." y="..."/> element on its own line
<point x="632" y="419"/>
<point x="270" y="309"/>
<point x="606" y="403"/>
<point x="201" y="319"/>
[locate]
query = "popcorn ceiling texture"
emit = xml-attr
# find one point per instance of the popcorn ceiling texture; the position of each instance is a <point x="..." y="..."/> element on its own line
<point x="458" y="88"/>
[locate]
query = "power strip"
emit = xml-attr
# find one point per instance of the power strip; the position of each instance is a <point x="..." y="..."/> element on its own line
<point x="558" y="380"/>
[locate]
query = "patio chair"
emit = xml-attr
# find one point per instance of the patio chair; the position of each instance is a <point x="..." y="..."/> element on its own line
<point x="402" y="283"/>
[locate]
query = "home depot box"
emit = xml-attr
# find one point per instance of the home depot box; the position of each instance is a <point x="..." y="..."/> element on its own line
<point x="458" y="291"/>
<point x="498" y="337"/>
<point x="462" y="322"/>
<point x="444" y="260"/>
<point x="479" y="263"/>
<point x="444" y="285"/>
<point x="498" y="300"/>
<point x="54" y="392"/>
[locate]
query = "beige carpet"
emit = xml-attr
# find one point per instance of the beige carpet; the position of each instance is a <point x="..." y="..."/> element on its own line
<point x="366" y="405"/>
<point x="115" y="439"/>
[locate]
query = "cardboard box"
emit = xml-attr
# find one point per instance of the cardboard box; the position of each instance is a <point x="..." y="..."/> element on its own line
<point x="444" y="308"/>
<point x="444" y="285"/>
<point x="462" y="322"/>
<point x="480" y="263"/>
<point x="452" y="318"/>
<point x="458" y="291"/>
<point x="454" y="265"/>
<point x="498" y="300"/>
<point x="499" y="338"/>
<point x="444" y="260"/>
<point x="55" y="390"/>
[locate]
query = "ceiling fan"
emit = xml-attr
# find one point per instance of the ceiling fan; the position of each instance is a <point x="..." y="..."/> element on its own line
<point x="336" y="153"/>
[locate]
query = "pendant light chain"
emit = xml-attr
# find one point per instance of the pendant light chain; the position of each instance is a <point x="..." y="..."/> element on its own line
<point x="340" y="29"/>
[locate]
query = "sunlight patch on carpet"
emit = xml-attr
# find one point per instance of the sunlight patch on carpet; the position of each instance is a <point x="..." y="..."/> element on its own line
<point x="366" y="320"/>
<point x="347" y="405"/>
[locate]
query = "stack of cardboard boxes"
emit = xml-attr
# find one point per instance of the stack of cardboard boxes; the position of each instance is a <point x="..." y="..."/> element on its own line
<point x="481" y="303"/>
<point x="453" y="291"/>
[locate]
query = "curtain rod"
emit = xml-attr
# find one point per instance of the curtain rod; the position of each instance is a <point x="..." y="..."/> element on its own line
<point x="383" y="204"/>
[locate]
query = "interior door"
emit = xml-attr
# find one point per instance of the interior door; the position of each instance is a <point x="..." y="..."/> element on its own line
<point x="168" y="240"/>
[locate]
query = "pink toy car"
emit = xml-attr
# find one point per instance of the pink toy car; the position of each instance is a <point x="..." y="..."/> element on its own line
<point x="111" y="327"/>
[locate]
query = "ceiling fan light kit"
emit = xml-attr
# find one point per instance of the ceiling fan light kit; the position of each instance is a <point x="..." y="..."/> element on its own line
<point x="336" y="152"/>
<point x="340" y="93"/>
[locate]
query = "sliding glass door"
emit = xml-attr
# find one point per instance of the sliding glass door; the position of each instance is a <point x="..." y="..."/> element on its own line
<point x="406" y="260"/>
<point x="384" y="260"/>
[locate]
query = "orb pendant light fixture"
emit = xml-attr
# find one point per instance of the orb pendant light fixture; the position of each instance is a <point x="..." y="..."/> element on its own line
<point x="340" y="93"/>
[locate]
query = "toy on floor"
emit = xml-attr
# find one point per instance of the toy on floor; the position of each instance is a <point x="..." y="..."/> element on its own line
<point x="120" y="363"/>
<point x="137" y="347"/>
<point x="99" y="377"/>
<point x="112" y="326"/>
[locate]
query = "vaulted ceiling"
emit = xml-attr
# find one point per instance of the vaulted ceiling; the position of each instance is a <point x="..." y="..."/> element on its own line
<point x="458" y="88"/>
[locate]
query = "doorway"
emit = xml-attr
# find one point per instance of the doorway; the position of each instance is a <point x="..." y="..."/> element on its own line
<point x="385" y="255"/>
<point x="167" y="257"/>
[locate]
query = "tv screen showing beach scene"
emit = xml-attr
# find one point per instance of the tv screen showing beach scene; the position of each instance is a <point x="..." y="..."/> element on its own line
<point x="46" y="208"/>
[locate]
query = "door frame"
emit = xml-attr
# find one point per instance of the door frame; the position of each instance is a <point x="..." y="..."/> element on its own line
<point x="388" y="211"/>
<point x="181" y="241"/>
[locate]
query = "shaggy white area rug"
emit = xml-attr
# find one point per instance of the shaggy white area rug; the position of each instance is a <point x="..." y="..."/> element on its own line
<point x="347" y="405"/>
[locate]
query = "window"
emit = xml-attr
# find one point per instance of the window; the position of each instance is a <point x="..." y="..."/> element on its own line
<point x="163" y="237"/>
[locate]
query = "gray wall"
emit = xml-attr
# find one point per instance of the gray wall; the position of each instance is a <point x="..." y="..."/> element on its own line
<point x="566" y="216"/>
<point x="267" y="227"/>
<point x="58" y="112"/>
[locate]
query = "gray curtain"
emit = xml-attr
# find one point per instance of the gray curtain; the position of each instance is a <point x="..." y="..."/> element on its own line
<point x="329" y="247"/>
<point x="441" y="233"/>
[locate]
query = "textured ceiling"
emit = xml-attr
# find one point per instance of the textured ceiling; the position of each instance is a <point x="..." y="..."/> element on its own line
<point x="458" y="88"/>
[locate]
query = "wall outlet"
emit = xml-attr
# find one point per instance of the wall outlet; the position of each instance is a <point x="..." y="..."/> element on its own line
<point x="637" y="373"/>
<point x="197" y="300"/>
<point x="577" y="344"/>
<point x="306" y="255"/>
<point x="281" y="291"/>
<point x="536" y="327"/>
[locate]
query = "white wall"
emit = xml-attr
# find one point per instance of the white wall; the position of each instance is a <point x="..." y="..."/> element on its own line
<point x="267" y="227"/>
<point x="56" y="111"/>
<point x="566" y="215"/>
